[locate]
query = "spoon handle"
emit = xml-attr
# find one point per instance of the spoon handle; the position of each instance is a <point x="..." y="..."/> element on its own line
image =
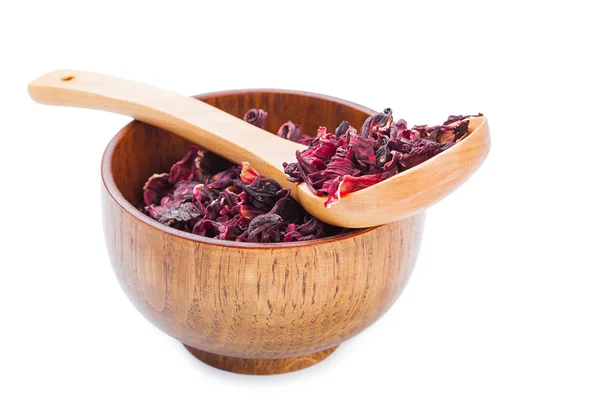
<point x="192" y="119"/>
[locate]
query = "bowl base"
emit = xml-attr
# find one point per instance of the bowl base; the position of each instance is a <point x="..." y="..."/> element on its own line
<point x="251" y="366"/>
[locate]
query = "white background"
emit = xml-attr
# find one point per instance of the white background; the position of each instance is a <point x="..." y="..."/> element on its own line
<point x="504" y="302"/>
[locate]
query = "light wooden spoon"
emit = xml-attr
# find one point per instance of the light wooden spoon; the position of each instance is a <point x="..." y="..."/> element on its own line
<point x="398" y="197"/>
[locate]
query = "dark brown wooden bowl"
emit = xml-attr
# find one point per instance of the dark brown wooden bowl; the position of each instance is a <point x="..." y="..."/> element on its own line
<point x="247" y="307"/>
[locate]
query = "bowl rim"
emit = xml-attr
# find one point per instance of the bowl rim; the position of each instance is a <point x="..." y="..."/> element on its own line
<point x="113" y="191"/>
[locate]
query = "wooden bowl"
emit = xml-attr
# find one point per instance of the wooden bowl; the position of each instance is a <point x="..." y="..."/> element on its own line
<point x="250" y="308"/>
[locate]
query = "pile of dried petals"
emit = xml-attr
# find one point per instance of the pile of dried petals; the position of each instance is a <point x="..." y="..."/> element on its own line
<point x="206" y="195"/>
<point x="343" y="162"/>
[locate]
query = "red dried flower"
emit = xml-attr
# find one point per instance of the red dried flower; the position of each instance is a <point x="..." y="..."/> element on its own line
<point x="157" y="187"/>
<point x="256" y="117"/>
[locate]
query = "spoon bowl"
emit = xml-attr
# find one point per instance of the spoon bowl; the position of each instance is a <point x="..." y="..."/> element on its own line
<point x="410" y="191"/>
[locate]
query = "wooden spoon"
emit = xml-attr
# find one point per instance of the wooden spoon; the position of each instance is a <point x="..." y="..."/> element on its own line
<point x="398" y="197"/>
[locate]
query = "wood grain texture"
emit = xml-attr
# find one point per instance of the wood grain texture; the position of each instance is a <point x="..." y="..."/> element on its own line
<point x="247" y="300"/>
<point x="392" y="199"/>
<point x="250" y="366"/>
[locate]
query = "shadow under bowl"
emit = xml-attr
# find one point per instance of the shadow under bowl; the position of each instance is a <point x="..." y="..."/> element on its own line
<point x="251" y="308"/>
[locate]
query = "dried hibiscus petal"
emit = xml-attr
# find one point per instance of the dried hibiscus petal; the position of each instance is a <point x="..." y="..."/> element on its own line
<point x="292" y="131"/>
<point x="262" y="192"/>
<point x="250" y="212"/>
<point x="173" y="212"/>
<point x="263" y="226"/>
<point x="256" y="117"/>
<point x="184" y="169"/>
<point x="289" y="131"/>
<point x="363" y="151"/>
<point x="446" y="136"/>
<point x="223" y="179"/>
<point x="342" y="129"/>
<point x="422" y="150"/>
<point x="377" y="124"/>
<point x="232" y="228"/>
<point x="286" y="207"/>
<point x="248" y="174"/>
<point x="184" y="191"/>
<point x="157" y="187"/>
<point x="208" y="228"/>
<point x="348" y="184"/>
